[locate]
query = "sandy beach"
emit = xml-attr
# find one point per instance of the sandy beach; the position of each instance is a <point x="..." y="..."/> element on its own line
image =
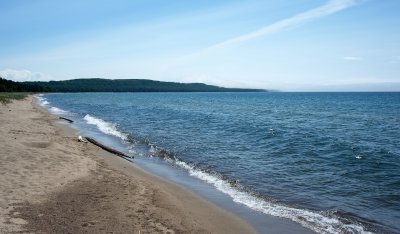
<point x="51" y="183"/>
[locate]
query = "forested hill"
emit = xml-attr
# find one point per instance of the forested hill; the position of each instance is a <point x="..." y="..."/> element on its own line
<point x="130" y="85"/>
<point x="12" y="86"/>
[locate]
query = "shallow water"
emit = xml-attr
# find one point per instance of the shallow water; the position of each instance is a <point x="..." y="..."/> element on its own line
<point x="329" y="161"/>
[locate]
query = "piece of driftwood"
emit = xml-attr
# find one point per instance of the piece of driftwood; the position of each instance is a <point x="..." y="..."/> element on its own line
<point x="106" y="148"/>
<point x="70" y="121"/>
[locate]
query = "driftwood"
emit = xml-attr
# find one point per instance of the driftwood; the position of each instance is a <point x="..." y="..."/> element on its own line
<point x="70" y="121"/>
<point x="106" y="148"/>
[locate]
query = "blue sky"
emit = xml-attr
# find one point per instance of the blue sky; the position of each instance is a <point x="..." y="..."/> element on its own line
<point x="302" y="45"/>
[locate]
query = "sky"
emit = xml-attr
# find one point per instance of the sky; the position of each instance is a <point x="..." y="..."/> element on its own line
<point x="301" y="45"/>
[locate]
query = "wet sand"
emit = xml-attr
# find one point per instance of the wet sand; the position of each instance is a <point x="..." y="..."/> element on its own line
<point x="51" y="183"/>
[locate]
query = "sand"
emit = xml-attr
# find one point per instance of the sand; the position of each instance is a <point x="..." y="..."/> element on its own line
<point x="51" y="183"/>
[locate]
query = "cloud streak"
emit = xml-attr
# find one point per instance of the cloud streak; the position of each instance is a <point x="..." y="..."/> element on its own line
<point x="352" y="58"/>
<point x="328" y="8"/>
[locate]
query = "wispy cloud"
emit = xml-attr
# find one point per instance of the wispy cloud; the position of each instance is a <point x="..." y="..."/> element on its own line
<point x="352" y="58"/>
<point x="23" y="75"/>
<point x="328" y="8"/>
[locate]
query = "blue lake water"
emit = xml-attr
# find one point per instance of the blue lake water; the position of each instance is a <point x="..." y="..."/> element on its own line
<point x="328" y="161"/>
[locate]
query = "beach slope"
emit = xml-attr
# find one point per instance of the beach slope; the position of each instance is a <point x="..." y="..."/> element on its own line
<point x="52" y="183"/>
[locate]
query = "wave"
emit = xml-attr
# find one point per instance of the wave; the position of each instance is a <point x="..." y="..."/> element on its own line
<point x="318" y="221"/>
<point x="42" y="101"/>
<point x="58" y="111"/>
<point x="321" y="222"/>
<point x="105" y="127"/>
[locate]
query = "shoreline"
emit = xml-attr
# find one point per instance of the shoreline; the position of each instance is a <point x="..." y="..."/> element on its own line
<point x="53" y="183"/>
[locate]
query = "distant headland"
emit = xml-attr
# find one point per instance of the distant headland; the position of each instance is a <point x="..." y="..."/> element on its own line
<point x="113" y="85"/>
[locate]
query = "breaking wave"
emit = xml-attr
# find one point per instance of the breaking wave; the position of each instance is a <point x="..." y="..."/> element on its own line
<point x="42" y="101"/>
<point x="105" y="127"/>
<point x="321" y="222"/>
<point x="58" y="111"/>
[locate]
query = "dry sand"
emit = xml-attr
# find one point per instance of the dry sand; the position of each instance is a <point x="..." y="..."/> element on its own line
<point x="51" y="183"/>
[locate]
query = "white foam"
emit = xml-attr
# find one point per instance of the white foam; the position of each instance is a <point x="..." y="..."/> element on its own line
<point x="58" y="111"/>
<point x="313" y="220"/>
<point x="105" y="127"/>
<point x="152" y="149"/>
<point x="42" y="101"/>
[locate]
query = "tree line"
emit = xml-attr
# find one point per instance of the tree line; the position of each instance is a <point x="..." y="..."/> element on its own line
<point x="12" y="86"/>
<point x="107" y="85"/>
